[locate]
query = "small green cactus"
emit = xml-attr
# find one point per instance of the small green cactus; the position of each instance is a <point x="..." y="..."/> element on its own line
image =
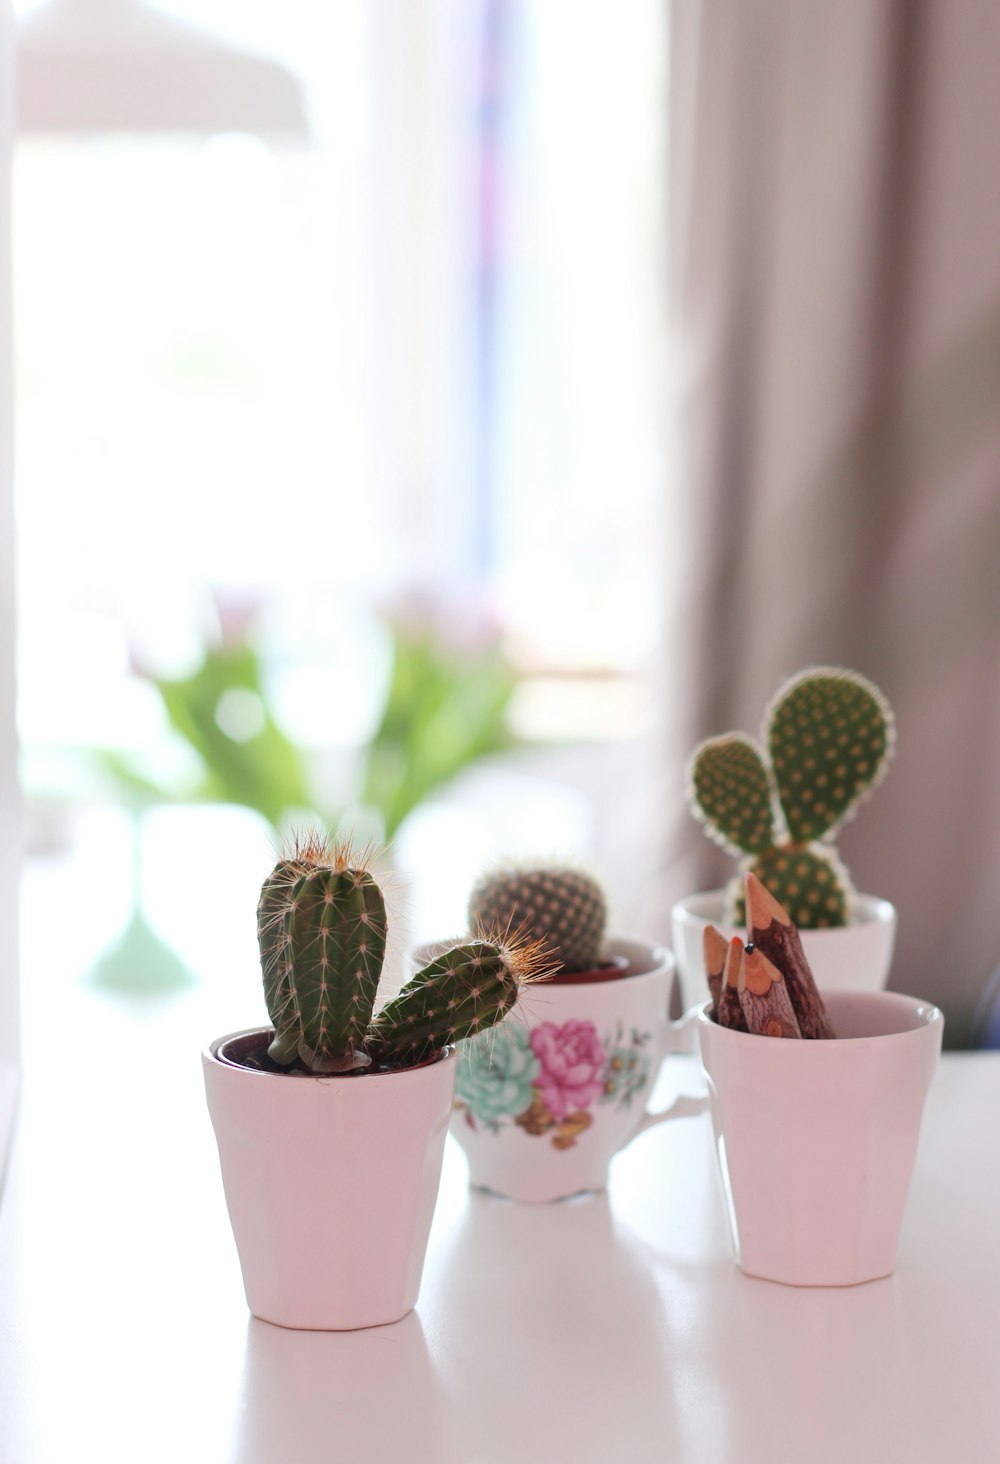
<point x="562" y="908"/>
<point x="829" y="736"/>
<point x="321" y="928"/>
<point x="458" y="994"/>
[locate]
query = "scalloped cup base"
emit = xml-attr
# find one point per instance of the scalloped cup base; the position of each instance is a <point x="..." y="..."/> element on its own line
<point x="854" y="957"/>
<point x="330" y="1184"/>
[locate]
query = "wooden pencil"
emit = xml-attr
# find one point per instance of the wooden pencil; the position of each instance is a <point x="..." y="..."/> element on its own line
<point x="773" y="932"/>
<point x="730" y="1010"/>
<point x="714" y="950"/>
<point x="764" y="997"/>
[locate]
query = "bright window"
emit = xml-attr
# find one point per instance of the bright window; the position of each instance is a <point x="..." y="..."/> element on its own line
<point x="421" y="348"/>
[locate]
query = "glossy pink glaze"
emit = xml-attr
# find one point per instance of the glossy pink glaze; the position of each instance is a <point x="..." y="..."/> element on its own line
<point x="816" y="1141"/>
<point x="331" y="1184"/>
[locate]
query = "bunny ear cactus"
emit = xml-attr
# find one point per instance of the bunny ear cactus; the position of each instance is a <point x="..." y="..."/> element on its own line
<point x="562" y="908"/>
<point x="321" y="927"/>
<point x="828" y="739"/>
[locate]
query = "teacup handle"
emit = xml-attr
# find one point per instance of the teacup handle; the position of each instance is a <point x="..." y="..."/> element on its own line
<point x="679" y="1036"/>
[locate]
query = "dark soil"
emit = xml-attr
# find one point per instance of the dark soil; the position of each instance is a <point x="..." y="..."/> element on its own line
<point x="250" y="1051"/>
<point x="610" y="970"/>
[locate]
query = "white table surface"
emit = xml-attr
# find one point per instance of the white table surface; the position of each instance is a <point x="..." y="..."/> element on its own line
<point x="612" y="1328"/>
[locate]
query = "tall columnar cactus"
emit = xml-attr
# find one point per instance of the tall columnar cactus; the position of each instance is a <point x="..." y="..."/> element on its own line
<point x="828" y="738"/>
<point x="321" y="928"/>
<point x="563" y="908"/>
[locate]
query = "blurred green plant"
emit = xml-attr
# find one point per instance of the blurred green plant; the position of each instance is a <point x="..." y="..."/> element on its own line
<point x="444" y="711"/>
<point x="445" y="708"/>
<point x="257" y="766"/>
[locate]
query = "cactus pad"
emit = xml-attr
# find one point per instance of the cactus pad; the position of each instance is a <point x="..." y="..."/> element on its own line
<point x="730" y="790"/>
<point x="830" y="736"/>
<point x="564" y="908"/>
<point x="810" y="882"/>
<point x="458" y="994"/>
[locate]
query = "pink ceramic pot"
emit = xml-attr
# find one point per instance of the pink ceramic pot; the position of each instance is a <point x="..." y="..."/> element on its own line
<point x="816" y="1140"/>
<point x="331" y="1184"/>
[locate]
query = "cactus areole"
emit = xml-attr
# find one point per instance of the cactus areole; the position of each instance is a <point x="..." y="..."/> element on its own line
<point x="827" y="740"/>
<point x="321" y="930"/>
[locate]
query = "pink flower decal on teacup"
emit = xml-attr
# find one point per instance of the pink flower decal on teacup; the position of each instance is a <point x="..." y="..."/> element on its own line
<point x="572" y="1059"/>
<point x="547" y="1081"/>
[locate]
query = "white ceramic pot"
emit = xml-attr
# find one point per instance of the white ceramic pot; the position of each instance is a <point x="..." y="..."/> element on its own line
<point x="854" y="957"/>
<point x="816" y="1140"/>
<point x="546" y="1100"/>
<point x="331" y="1184"/>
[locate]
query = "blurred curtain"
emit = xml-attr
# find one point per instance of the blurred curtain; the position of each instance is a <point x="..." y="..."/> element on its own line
<point x="836" y="291"/>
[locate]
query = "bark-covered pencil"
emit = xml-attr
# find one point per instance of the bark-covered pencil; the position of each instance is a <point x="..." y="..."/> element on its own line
<point x="730" y="1010"/>
<point x="764" y="997"/>
<point x="714" y="950"/>
<point x="773" y="932"/>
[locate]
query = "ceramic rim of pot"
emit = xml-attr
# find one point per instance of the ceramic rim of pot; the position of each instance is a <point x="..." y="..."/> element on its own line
<point x="708" y="905"/>
<point x="256" y="1039"/>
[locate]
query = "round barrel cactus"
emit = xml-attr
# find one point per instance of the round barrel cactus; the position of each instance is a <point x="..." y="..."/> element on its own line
<point x="561" y="907"/>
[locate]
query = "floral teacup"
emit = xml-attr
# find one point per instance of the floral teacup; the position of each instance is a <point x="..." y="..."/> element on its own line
<point x="545" y="1100"/>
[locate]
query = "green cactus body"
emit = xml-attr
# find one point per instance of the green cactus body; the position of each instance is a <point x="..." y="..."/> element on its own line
<point x="334" y="933"/>
<point x="458" y="994"/>
<point x="829" y="736"/>
<point x="808" y="880"/>
<point x="731" y="786"/>
<point x="565" y="908"/>
<point x="272" y="942"/>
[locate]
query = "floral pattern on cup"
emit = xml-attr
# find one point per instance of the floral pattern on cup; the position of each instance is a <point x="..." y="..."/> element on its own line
<point x="547" y="1080"/>
<point x="496" y="1075"/>
<point x="572" y="1059"/>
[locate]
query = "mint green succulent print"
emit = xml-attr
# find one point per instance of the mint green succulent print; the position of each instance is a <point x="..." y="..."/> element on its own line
<point x="626" y="1071"/>
<point x="496" y="1074"/>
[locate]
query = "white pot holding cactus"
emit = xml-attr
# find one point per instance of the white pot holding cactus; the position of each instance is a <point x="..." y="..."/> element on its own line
<point x="546" y="1100"/>
<point x="331" y="1123"/>
<point x="827" y="740"/>
<point x="852" y="957"/>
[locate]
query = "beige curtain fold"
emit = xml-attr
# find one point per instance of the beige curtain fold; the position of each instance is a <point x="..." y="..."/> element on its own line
<point x="836" y="298"/>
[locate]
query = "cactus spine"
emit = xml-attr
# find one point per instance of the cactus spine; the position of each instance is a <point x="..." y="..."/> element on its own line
<point x="321" y="928"/>
<point x="829" y="736"/>
<point x="563" y="908"/>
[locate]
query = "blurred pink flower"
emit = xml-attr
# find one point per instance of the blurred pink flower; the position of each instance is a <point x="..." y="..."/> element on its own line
<point x="461" y="619"/>
<point x="572" y="1059"/>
